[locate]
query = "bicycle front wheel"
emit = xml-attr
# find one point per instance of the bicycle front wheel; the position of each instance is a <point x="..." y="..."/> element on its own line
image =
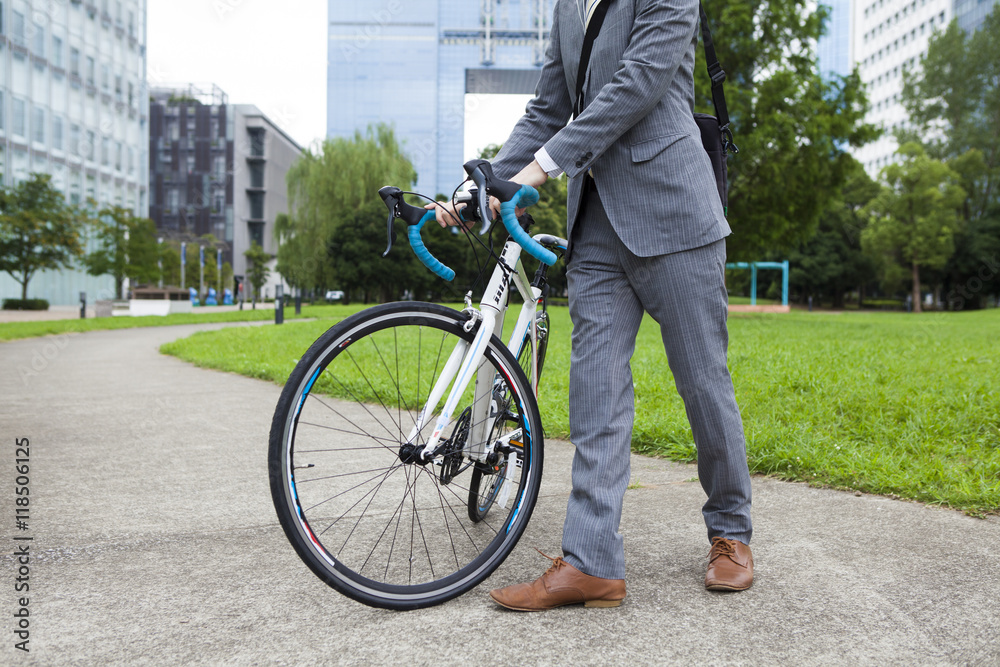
<point x="364" y="515"/>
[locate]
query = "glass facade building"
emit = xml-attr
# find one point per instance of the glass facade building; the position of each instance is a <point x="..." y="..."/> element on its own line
<point x="971" y="13"/>
<point x="410" y="63"/>
<point x="74" y="104"/>
<point x="834" y="48"/>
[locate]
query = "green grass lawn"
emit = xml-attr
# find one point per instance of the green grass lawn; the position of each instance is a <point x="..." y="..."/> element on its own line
<point x="880" y="402"/>
<point x="745" y="301"/>
<point x="16" y="330"/>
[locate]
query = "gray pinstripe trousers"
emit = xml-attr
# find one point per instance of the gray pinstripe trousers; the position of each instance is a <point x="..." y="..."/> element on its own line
<point x="610" y="288"/>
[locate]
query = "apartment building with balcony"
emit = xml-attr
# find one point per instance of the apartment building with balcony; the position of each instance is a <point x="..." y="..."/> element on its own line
<point x="216" y="168"/>
<point x="73" y="104"/>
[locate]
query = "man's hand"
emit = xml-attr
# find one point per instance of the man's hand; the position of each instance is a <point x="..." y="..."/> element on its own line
<point x="532" y="175"/>
<point x="448" y="214"/>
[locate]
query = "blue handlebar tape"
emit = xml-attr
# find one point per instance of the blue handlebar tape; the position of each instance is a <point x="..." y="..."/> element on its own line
<point x="526" y="196"/>
<point x="421" y="251"/>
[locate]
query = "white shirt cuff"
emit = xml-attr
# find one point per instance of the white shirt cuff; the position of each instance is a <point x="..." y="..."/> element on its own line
<point x="547" y="164"/>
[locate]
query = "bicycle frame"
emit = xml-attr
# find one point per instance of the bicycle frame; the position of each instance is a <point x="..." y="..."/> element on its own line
<point x="467" y="358"/>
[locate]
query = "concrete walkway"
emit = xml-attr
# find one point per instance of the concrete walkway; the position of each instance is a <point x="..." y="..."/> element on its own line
<point x="155" y="542"/>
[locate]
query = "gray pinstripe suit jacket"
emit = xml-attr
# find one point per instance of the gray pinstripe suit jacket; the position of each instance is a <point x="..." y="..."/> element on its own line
<point x="636" y="133"/>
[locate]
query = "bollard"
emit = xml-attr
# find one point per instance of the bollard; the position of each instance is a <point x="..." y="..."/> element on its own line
<point x="810" y="304"/>
<point x="298" y="301"/>
<point x="83" y="305"/>
<point x="279" y="305"/>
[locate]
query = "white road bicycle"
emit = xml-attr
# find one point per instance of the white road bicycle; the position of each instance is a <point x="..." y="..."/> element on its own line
<point x="406" y="448"/>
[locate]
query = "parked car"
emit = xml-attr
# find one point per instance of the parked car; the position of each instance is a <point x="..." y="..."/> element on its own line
<point x="334" y="295"/>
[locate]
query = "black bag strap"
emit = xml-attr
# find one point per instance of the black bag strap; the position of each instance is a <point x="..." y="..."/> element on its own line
<point x="715" y="71"/>
<point x="593" y="28"/>
<point x="718" y="76"/>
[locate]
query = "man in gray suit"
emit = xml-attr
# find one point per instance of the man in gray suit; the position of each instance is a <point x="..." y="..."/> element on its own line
<point x="646" y="231"/>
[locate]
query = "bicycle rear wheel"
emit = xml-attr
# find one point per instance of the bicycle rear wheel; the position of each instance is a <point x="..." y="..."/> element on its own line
<point x="368" y="520"/>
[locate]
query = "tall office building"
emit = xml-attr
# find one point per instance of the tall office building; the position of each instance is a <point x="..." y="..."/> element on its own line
<point x="216" y="168"/>
<point x="411" y="64"/>
<point x="889" y="36"/>
<point x="73" y="104"/>
<point x="833" y="50"/>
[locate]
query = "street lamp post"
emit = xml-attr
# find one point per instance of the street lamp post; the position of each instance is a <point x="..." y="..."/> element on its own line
<point x="201" y="274"/>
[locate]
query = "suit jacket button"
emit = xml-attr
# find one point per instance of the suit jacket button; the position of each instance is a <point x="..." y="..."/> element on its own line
<point x="589" y="155"/>
<point x="579" y="164"/>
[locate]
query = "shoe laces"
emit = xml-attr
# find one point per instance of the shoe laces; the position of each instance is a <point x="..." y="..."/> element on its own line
<point x="556" y="562"/>
<point x="722" y="547"/>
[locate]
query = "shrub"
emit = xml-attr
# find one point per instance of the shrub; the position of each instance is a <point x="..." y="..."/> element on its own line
<point x="25" y="304"/>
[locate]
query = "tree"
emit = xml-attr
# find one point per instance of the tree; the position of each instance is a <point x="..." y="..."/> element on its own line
<point x="257" y="271"/>
<point x="356" y="263"/>
<point x="126" y="248"/>
<point x="340" y="177"/>
<point x="953" y="100"/>
<point x="192" y="270"/>
<point x="832" y="261"/>
<point x="38" y="230"/>
<point x="792" y="126"/>
<point x="227" y="277"/>
<point x="915" y="216"/>
<point x="211" y="246"/>
<point x="170" y="264"/>
<point x="293" y="254"/>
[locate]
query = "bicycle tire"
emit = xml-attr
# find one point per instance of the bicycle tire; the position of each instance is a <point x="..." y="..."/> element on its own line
<point x="343" y="495"/>
<point x="481" y="499"/>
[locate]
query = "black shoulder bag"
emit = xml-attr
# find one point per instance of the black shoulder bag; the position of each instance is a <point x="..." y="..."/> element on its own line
<point x="715" y="133"/>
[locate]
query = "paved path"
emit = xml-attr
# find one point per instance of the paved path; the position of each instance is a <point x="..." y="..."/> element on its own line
<point x="155" y="542"/>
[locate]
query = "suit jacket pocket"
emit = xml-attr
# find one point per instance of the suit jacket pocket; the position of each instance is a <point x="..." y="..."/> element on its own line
<point x="647" y="150"/>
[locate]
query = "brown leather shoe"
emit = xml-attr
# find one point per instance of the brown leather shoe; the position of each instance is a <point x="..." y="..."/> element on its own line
<point x="730" y="566"/>
<point x="561" y="584"/>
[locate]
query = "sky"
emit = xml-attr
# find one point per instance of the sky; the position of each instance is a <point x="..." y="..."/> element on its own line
<point x="272" y="54"/>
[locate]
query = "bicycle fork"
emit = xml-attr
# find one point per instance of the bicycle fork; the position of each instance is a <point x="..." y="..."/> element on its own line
<point x="467" y="360"/>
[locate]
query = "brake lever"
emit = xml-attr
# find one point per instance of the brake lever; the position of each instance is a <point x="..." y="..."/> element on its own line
<point x="391" y="196"/>
<point x="481" y="173"/>
<point x="484" y="210"/>
<point x="391" y="233"/>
